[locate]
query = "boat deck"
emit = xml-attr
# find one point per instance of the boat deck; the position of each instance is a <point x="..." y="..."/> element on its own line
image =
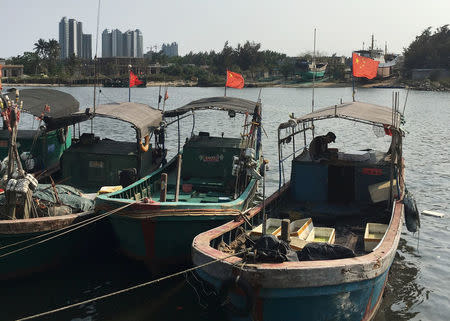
<point x="348" y="220"/>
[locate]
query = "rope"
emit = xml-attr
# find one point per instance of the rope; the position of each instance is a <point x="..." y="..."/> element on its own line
<point x="130" y="288"/>
<point x="71" y="229"/>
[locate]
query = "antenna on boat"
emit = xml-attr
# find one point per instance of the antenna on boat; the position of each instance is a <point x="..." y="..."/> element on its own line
<point x="314" y="79"/>
<point x="95" y="64"/>
<point x="159" y="96"/>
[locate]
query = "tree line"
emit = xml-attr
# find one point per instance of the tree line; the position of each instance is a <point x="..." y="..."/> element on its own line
<point x="428" y="50"/>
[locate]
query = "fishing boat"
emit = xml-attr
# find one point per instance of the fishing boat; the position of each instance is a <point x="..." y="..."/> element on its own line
<point x="90" y="162"/>
<point x="321" y="246"/>
<point x="210" y="181"/>
<point x="314" y="70"/>
<point x="33" y="213"/>
<point x="40" y="149"/>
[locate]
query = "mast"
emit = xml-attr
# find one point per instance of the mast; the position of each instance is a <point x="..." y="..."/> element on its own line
<point x="95" y="64"/>
<point x="314" y="78"/>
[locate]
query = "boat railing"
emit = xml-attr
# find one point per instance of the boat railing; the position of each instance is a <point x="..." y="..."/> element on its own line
<point x="246" y="225"/>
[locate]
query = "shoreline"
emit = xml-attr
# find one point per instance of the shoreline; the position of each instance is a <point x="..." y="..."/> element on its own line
<point x="392" y="83"/>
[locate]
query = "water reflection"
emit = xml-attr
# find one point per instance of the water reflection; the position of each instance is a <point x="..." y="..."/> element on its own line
<point x="403" y="294"/>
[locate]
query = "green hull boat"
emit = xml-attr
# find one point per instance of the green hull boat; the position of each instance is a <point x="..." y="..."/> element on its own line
<point x="211" y="181"/>
<point x="40" y="149"/>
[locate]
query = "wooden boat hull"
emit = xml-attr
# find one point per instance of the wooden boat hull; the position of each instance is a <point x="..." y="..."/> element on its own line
<point x="47" y="254"/>
<point x="351" y="301"/>
<point x="343" y="289"/>
<point x="310" y="74"/>
<point x="161" y="234"/>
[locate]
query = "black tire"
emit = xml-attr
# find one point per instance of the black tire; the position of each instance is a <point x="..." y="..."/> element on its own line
<point x="234" y="284"/>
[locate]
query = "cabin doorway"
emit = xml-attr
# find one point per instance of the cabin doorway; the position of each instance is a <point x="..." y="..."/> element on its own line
<point x="341" y="184"/>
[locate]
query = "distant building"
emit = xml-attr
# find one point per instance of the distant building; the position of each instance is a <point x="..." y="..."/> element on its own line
<point x="64" y="38"/>
<point x="170" y="50"/>
<point x="72" y="40"/>
<point x="73" y="37"/>
<point x="106" y="44"/>
<point x="118" y="44"/>
<point x="87" y="47"/>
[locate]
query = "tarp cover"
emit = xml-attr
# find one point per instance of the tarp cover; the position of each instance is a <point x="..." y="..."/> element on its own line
<point x="354" y="110"/>
<point x="238" y="105"/>
<point x="324" y="251"/>
<point x="270" y="249"/>
<point x="34" y="101"/>
<point x="141" y="116"/>
<point x="68" y="196"/>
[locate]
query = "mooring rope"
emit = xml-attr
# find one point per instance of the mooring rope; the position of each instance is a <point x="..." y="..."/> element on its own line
<point x="130" y="288"/>
<point x="70" y="229"/>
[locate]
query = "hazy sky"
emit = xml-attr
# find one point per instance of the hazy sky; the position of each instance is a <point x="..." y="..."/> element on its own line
<point x="285" y="26"/>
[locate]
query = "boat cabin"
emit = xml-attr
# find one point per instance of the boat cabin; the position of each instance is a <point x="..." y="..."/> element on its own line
<point x="40" y="149"/>
<point x="205" y="162"/>
<point x="91" y="162"/>
<point x="347" y="191"/>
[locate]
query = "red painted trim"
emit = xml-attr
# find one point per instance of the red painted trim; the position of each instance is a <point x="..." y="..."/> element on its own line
<point x="148" y="230"/>
<point x="372" y="171"/>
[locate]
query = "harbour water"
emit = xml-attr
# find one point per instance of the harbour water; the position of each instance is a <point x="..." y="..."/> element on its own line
<point x="419" y="282"/>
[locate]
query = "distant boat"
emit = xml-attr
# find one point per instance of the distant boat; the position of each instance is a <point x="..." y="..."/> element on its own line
<point x="212" y="180"/>
<point x="314" y="72"/>
<point x="123" y="82"/>
<point x="346" y="215"/>
<point x="41" y="148"/>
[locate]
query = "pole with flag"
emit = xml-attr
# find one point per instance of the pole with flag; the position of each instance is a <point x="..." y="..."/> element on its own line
<point x="363" y="67"/>
<point x="166" y="96"/>
<point x="234" y="80"/>
<point x="133" y="81"/>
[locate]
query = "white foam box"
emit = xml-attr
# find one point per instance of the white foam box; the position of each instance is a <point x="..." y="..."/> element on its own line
<point x="373" y="235"/>
<point x="299" y="228"/>
<point x="297" y="244"/>
<point x="273" y="226"/>
<point x="322" y="234"/>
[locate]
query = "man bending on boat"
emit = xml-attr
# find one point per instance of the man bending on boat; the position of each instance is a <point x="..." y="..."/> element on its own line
<point x="318" y="148"/>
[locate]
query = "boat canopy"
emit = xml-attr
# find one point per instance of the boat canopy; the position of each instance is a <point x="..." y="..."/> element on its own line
<point x="356" y="111"/>
<point x="142" y="117"/>
<point x="34" y="101"/>
<point x="238" y="105"/>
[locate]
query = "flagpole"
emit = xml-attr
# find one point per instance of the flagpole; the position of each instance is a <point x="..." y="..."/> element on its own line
<point x="159" y="96"/>
<point x="164" y="102"/>
<point x="129" y="83"/>
<point x="314" y="80"/>
<point x="225" y="87"/>
<point x="353" y="81"/>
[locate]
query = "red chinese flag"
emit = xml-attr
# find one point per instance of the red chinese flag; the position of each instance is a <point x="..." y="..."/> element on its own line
<point x="134" y="81"/>
<point x="364" y="67"/>
<point x="166" y="96"/>
<point x="234" y="80"/>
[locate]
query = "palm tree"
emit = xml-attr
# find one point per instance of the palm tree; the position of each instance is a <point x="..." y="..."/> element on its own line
<point x="53" y="51"/>
<point x="41" y="48"/>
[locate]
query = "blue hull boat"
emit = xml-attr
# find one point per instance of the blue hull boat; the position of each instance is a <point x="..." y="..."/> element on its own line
<point x="344" y="218"/>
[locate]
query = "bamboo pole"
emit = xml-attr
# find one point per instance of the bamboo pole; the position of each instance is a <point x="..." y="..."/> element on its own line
<point x="163" y="193"/>
<point x="177" y="186"/>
